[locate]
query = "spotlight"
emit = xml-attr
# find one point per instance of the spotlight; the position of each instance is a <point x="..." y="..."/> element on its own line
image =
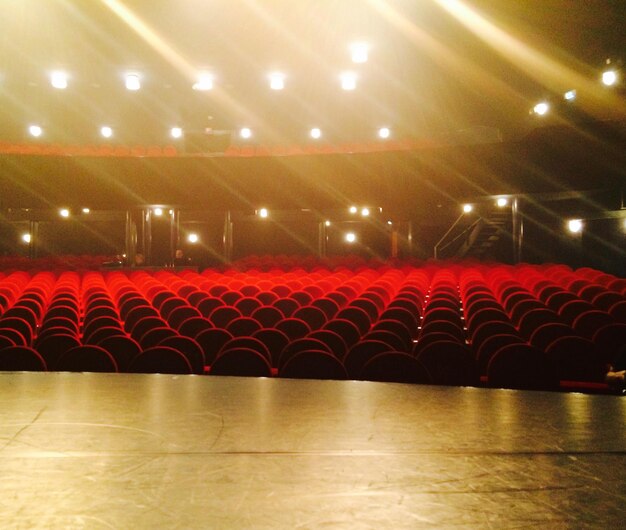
<point x="106" y="131"/>
<point x="193" y="238"/>
<point x="609" y="77"/>
<point x="350" y="237"/>
<point x="132" y="82"/>
<point x="58" y="80"/>
<point x="64" y="212"/>
<point x="384" y="133"/>
<point x="353" y="209"/>
<point x="327" y="223"/>
<point x="542" y="108"/>
<point x="245" y="133"/>
<point x="263" y="213"/>
<point x="86" y="210"/>
<point x="204" y="82"/>
<point x="467" y="208"/>
<point x="575" y="226"/>
<point x="158" y="212"/>
<point x="277" y="81"/>
<point x="502" y="202"/>
<point x="35" y="130"/>
<point x="348" y="80"/>
<point x="316" y="133"/>
<point x="26" y="238"/>
<point x="359" y="52"/>
<point x="176" y="132"/>
<point x="570" y="95"/>
<point x="365" y="212"/>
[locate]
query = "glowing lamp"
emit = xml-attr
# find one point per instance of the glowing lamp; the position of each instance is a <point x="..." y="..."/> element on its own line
<point x="35" y="131"/>
<point x="575" y="226"/>
<point x="348" y="80"/>
<point x="542" y="108"/>
<point x="316" y="133"/>
<point x="132" y="82"/>
<point x="277" y="81"/>
<point x="609" y="78"/>
<point x="26" y="238"/>
<point x="176" y="132"/>
<point x="106" y="131"/>
<point x="350" y="237"/>
<point x="193" y="238"/>
<point x="58" y="80"/>
<point x="467" y="208"/>
<point x="245" y="133"/>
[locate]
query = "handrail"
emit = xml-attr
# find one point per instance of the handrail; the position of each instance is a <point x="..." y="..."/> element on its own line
<point x="438" y="246"/>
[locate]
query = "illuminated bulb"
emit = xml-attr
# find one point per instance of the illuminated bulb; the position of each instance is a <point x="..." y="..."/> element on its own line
<point x="327" y="223"/>
<point x="158" y="212"/>
<point x="609" y="78"/>
<point x="35" y="130"/>
<point x="502" y="202"/>
<point x="193" y="238"/>
<point x="353" y="209"/>
<point x="58" y="80"/>
<point x="389" y="223"/>
<point x="204" y="82"/>
<point x="541" y="109"/>
<point x="245" y="133"/>
<point x="176" y="132"/>
<point x="384" y="132"/>
<point x="575" y="225"/>
<point x="350" y="237"/>
<point x="64" y="212"/>
<point x="86" y="210"/>
<point x="26" y="238"/>
<point x="359" y="52"/>
<point x="106" y="131"/>
<point x="348" y="80"/>
<point x="467" y="208"/>
<point x="365" y="212"/>
<point x="570" y="95"/>
<point x="132" y="82"/>
<point x="316" y="133"/>
<point x="277" y="81"/>
<point x="263" y="213"/>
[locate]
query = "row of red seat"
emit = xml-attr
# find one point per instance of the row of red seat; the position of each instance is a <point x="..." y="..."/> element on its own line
<point x="520" y="326"/>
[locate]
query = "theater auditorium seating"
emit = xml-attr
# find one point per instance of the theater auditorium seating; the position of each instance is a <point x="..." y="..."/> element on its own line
<point x="523" y="326"/>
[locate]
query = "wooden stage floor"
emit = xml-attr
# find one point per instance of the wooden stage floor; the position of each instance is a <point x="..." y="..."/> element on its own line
<point x="160" y="451"/>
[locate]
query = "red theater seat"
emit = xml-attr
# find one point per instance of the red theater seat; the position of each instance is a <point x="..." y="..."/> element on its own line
<point x="395" y="367"/>
<point x="520" y="366"/>
<point x="160" y="360"/>
<point x="86" y="359"/>
<point x="21" y="358"/>
<point x="313" y="364"/>
<point x="243" y="362"/>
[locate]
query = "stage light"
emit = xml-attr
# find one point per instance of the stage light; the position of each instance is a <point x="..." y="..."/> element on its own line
<point x="35" y="130"/>
<point x="277" y="81"/>
<point x="158" y="212"/>
<point x="327" y="223"/>
<point x="263" y="213"/>
<point x="348" y="80"/>
<point x="353" y="209"/>
<point x="26" y="238"/>
<point x="316" y="133"/>
<point x="64" y="212"/>
<point x="359" y="51"/>
<point x="467" y="208"/>
<point x="609" y="77"/>
<point x="193" y="238"/>
<point x="542" y="108"/>
<point x="575" y="226"/>
<point x="133" y="82"/>
<point x="384" y="133"/>
<point x="390" y="223"/>
<point x="570" y="95"/>
<point x="58" y="80"/>
<point x="502" y="202"/>
<point x="365" y="212"/>
<point x="86" y="210"/>
<point x="350" y="237"/>
<point x="204" y="82"/>
<point x="245" y="133"/>
<point x="106" y="131"/>
<point x="176" y="132"/>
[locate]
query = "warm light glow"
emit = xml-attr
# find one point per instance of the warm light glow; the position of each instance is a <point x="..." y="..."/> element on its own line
<point x="158" y="212"/>
<point x="575" y="226"/>
<point x="204" y="82"/>
<point x="384" y="132"/>
<point x="350" y="237"/>
<point x="359" y="51"/>
<point x="64" y="212"/>
<point x="176" y="132"/>
<point x="541" y="109"/>
<point x="348" y="80"/>
<point x="263" y="213"/>
<point x="327" y="223"/>
<point x="58" y="80"/>
<point x="277" y="81"/>
<point x="570" y="95"/>
<point x="316" y="133"/>
<point x="35" y="130"/>
<point x="353" y="209"/>
<point x="193" y="238"/>
<point x="502" y="202"/>
<point x="609" y="77"/>
<point x="86" y="210"/>
<point x="132" y="82"/>
<point x="467" y="208"/>
<point x="26" y="238"/>
<point x="365" y="212"/>
<point x="245" y="133"/>
<point x="106" y="131"/>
